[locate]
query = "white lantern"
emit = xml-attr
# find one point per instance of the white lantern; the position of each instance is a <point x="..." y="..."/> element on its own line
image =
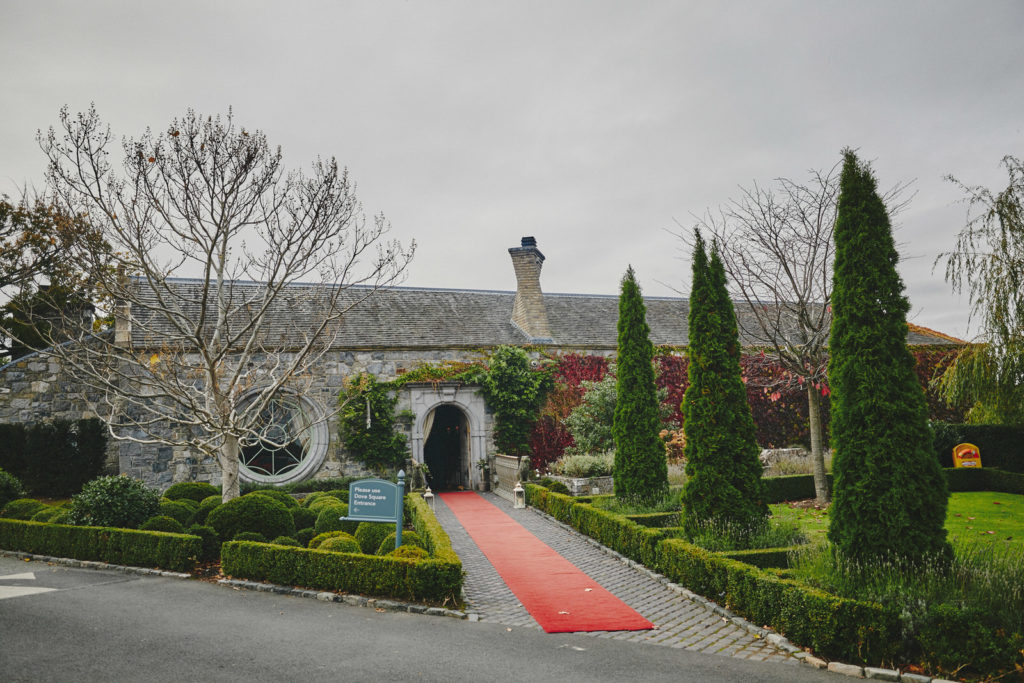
<point x="429" y="498"/>
<point x="518" y="496"/>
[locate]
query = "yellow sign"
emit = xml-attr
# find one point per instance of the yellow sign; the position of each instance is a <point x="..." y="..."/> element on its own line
<point x="966" y="455"/>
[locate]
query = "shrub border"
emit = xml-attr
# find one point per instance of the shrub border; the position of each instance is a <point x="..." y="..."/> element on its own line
<point x="174" y="552"/>
<point x="435" y="580"/>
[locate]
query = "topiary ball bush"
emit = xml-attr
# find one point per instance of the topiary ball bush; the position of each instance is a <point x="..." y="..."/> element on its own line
<point x="10" y="488"/>
<point x="47" y="514"/>
<point x="329" y="519"/>
<point x="192" y="490"/>
<point x="322" y="501"/>
<point x="304" y="536"/>
<point x="304" y="517"/>
<point x="555" y="486"/>
<point x="207" y="506"/>
<point x="192" y="505"/>
<point x="260" y="514"/>
<point x="409" y="552"/>
<point x="22" y="508"/>
<point x="163" y="523"/>
<point x="315" y="542"/>
<point x="408" y="538"/>
<point x="62" y="517"/>
<point x="250" y="536"/>
<point x="370" y="535"/>
<point x="279" y="496"/>
<point x="286" y="540"/>
<point x="211" y="542"/>
<point x="117" y="501"/>
<point x="179" y="511"/>
<point x="340" y="494"/>
<point x="341" y="544"/>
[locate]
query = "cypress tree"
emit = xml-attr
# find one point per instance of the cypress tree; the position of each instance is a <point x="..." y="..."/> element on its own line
<point x="890" y="494"/>
<point x="723" y="492"/>
<point x="641" y="471"/>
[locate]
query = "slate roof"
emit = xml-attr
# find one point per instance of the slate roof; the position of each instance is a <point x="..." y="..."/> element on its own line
<point x="414" y="318"/>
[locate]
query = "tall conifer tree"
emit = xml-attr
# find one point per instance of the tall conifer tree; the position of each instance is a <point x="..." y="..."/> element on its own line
<point x="641" y="471"/>
<point x="890" y="494"/>
<point x="723" y="490"/>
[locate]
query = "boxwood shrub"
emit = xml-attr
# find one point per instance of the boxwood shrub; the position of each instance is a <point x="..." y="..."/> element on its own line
<point x="22" y="508"/>
<point x="303" y="517"/>
<point x="408" y="538"/>
<point x="118" y="501"/>
<point x="175" y="552"/>
<point x="255" y="513"/>
<point x="163" y="523"/>
<point x="342" y="543"/>
<point x="10" y="488"/>
<point x="279" y="496"/>
<point x="206" y="506"/>
<point x="329" y="518"/>
<point x="192" y="490"/>
<point x="370" y="535"/>
<point x="210" y="542"/>
<point x="178" y="511"/>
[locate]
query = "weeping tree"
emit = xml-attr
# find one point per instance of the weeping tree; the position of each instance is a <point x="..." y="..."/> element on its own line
<point x="641" y="470"/>
<point x="988" y="262"/>
<point x="890" y="494"/>
<point x="219" y="363"/>
<point x="723" y="492"/>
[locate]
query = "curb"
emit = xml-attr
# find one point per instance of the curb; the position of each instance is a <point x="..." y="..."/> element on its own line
<point x="771" y="637"/>
<point x="323" y="596"/>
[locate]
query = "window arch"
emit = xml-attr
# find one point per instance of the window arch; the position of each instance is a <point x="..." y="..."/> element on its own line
<point x="291" y="439"/>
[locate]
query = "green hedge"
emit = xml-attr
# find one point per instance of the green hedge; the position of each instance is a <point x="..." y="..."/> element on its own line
<point x="174" y="552"/>
<point x="437" y="579"/>
<point x="790" y="487"/>
<point x="656" y="520"/>
<point x="54" y="458"/>
<point x="801" y="486"/>
<point x="835" y="627"/>
<point x="1001" y="446"/>
<point x="764" y="558"/>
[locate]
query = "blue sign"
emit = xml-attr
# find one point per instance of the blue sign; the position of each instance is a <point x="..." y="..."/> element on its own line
<point x="377" y="500"/>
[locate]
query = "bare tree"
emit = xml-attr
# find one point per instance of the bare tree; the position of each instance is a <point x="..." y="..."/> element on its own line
<point x="777" y="248"/>
<point x="201" y="364"/>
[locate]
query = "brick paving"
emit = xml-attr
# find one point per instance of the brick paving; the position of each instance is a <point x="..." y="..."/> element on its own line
<point x="680" y="622"/>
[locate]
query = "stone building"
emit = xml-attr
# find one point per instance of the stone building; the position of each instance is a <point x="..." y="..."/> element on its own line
<point x="394" y="331"/>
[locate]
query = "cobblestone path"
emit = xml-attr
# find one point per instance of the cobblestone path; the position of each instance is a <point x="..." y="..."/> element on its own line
<point x="680" y="622"/>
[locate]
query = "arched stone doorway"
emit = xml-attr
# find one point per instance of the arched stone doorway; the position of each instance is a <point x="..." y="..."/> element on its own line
<point x="450" y="405"/>
<point x="446" y="449"/>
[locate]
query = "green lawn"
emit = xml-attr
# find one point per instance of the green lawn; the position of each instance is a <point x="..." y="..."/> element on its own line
<point x="973" y="517"/>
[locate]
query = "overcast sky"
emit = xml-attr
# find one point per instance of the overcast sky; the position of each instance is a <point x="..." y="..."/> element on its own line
<point x="593" y="126"/>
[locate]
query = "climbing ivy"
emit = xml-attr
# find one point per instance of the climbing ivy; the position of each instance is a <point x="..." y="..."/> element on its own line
<point x="515" y="392"/>
<point x="366" y="424"/>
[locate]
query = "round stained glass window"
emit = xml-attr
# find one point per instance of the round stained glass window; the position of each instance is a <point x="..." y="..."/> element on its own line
<point x="290" y="440"/>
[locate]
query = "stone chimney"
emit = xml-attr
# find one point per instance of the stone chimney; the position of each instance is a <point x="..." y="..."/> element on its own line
<point x="528" y="312"/>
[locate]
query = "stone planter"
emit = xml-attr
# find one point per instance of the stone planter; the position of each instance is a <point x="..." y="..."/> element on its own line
<point x="586" y="486"/>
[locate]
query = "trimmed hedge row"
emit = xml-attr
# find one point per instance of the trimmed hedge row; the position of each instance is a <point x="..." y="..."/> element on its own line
<point x="437" y="579"/>
<point x="801" y="486"/>
<point x="839" y="628"/>
<point x="1001" y="446"/>
<point x="174" y="552"/>
<point x="657" y="520"/>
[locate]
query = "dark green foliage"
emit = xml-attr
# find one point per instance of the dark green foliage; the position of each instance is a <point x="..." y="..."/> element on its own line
<point x="114" y="501"/>
<point x="179" y="511"/>
<point x="723" y="484"/>
<point x="163" y="523"/>
<point x="259" y="514"/>
<point x="279" y="496"/>
<point x="207" y="505"/>
<point x="192" y="505"/>
<point x="890" y="494"/>
<point x="304" y="536"/>
<point x="329" y="518"/>
<point x="192" y="490"/>
<point x="437" y="579"/>
<point x="378" y="445"/>
<point x="287" y="540"/>
<point x="341" y="544"/>
<point x="408" y="538"/>
<point x="10" y="488"/>
<point x="54" y="458"/>
<point x="210" y="542"/>
<point x="174" y="552"/>
<point x="47" y="514"/>
<point x="641" y="472"/>
<point x="956" y="641"/>
<point x="555" y="486"/>
<point x="318" y="539"/>
<point x="790" y="487"/>
<point x="21" y="508"/>
<point x="515" y="392"/>
<point x="409" y="552"/>
<point x="62" y="517"/>
<point x="303" y="517"/>
<point x="1001" y="446"/>
<point x="254" y="536"/>
<point x="324" y="500"/>
<point x="370" y="535"/>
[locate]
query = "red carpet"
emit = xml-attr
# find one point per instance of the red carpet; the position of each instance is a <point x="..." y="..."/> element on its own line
<point x="557" y="594"/>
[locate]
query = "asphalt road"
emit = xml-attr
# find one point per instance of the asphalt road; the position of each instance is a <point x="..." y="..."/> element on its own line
<point x="99" y="625"/>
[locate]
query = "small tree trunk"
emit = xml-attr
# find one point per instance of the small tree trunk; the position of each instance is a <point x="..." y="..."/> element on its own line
<point x="822" y="491"/>
<point x="228" y="457"/>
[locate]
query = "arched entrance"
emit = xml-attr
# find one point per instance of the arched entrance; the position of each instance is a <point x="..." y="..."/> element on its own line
<point x="432" y="402"/>
<point x="446" y="449"/>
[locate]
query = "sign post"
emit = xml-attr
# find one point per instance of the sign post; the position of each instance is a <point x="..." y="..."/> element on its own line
<point x="377" y="500"/>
